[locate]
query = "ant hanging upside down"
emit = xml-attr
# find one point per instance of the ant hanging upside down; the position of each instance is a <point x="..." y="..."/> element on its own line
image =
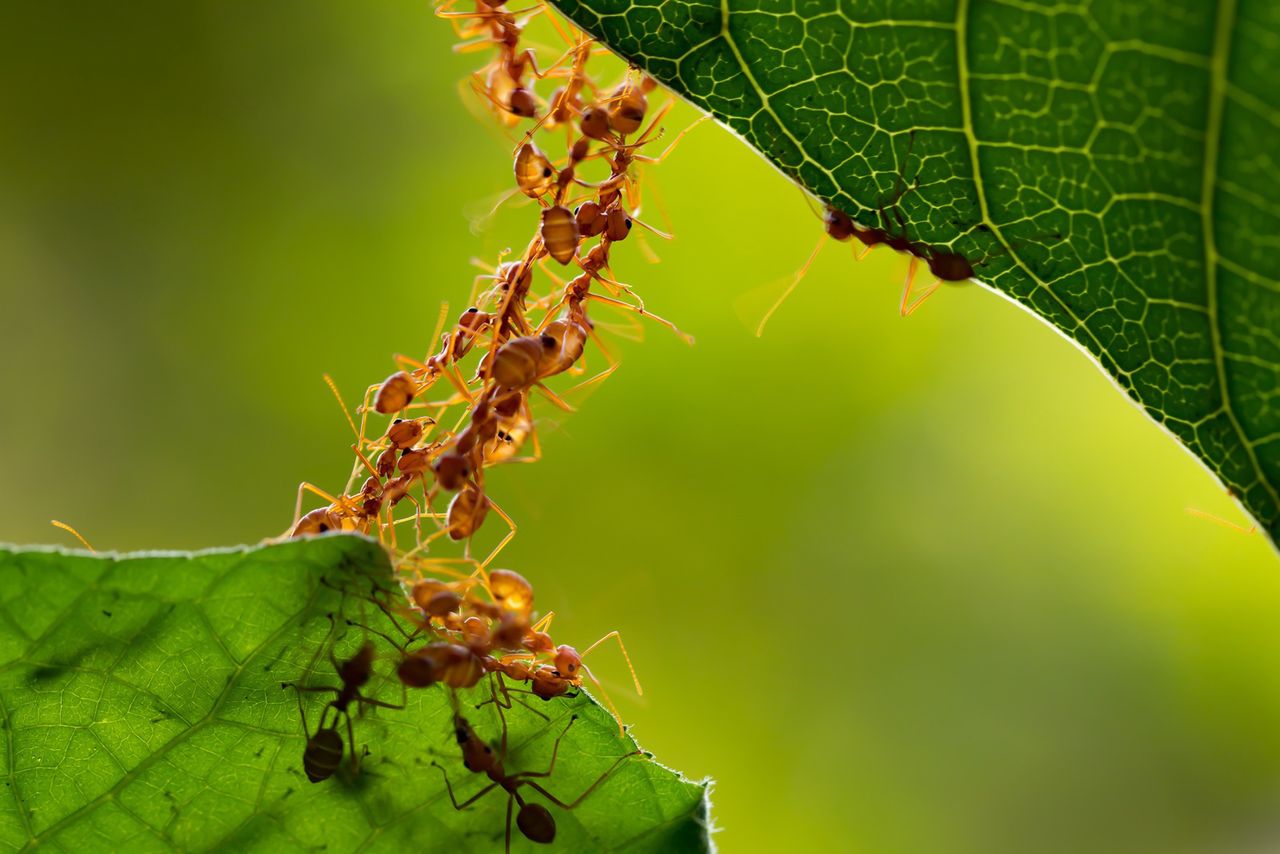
<point x="946" y="264"/>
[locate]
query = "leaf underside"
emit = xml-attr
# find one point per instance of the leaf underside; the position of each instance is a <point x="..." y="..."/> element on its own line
<point x="142" y="709"/>
<point x="1144" y="132"/>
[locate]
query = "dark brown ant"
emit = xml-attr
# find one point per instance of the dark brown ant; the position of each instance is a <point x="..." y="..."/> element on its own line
<point x="533" y="820"/>
<point x="323" y="753"/>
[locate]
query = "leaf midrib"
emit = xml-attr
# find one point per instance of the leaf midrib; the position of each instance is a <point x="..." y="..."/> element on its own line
<point x="1222" y="39"/>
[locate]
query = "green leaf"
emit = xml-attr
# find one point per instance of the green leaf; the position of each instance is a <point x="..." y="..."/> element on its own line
<point x="1144" y="132"/>
<point x="142" y="709"/>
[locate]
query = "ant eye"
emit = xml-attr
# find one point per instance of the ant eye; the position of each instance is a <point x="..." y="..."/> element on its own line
<point x="546" y="172"/>
<point x="472" y="310"/>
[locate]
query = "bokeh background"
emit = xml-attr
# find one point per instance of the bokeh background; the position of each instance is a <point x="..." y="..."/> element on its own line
<point x="898" y="586"/>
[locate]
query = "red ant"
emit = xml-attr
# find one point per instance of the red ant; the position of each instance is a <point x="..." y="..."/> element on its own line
<point x="323" y="753"/>
<point x="533" y="820"/>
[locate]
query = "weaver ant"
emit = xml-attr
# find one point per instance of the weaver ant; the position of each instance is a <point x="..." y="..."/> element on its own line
<point x="323" y="753"/>
<point x="533" y="820"/>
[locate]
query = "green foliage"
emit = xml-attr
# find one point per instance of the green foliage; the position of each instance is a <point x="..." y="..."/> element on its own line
<point x="1141" y="131"/>
<point x="142" y="708"/>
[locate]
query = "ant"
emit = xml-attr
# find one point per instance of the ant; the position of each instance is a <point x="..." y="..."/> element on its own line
<point x="323" y="753"/>
<point x="533" y="820"/>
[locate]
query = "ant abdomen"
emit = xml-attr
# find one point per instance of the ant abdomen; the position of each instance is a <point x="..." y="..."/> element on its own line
<point x="536" y="823"/>
<point x="323" y="755"/>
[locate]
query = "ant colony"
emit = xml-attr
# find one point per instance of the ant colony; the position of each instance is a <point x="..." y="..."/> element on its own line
<point x="426" y="437"/>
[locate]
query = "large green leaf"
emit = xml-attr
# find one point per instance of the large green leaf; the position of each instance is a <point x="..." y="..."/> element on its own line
<point x="1145" y="132"/>
<point x="142" y="709"/>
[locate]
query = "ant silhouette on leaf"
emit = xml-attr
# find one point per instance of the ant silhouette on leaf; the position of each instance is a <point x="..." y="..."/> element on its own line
<point x="944" y="263"/>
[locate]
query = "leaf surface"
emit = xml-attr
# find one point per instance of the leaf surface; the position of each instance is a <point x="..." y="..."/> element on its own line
<point x="142" y="709"/>
<point x="1143" y="132"/>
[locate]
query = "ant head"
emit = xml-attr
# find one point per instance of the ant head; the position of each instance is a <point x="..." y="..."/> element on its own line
<point x="536" y="823"/>
<point x="949" y="266"/>
<point x="594" y="123"/>
<point x="521" y="103"/>
<point x="547" y="684"/>
<point x="567" y="662"/>
<point x="617" y="225"/>
<point x="357" y="669"/>
<point x="476" y="755"/>
<point x="451" y="470"/>
<point x="442" y="603"/>
<point x="838" y="224"/>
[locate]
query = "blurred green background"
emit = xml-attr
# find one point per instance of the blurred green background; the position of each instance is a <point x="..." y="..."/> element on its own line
<point x="899" y="586"/>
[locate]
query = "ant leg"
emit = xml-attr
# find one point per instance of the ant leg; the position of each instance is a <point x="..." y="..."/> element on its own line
<point x="493" y="693"/>
<point x="306" y="730"/>
<point x="508" y="538"/>
<point x="351" y="740"/>
<point x="297" y="507"/>
<point x="310" y="689"/>
<point x="542" y="265"/>
<point x="614" y="767"/>
<point x="554" y="752"/>
<point x="401" y="648"/>
<point x="795" y="281"/>
<point x="684" y="336"/>
<point x="469" y="801"/>
<point x="900" y="186"/>
<point x="507" y="692"/>
<point x="928" y="292"/>
<point x="555" y="399"/>
<point x="608" y="701"/>
<point x="64" y="526"/>
<point x="906" y="308"/>
<point x="543" y="624"/>
<point x="577" y="44"/>
<point x="598" y="378"/>
<point x="663" y="156"/>
<point x="381" y="704"/>
<point x="511" y="799"/>
<point x="657" y="119"/>
<point x="1218" y="520"/>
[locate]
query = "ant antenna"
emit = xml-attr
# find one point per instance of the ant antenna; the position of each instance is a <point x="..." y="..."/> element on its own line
<point x="618" y="637"/>
<point x="64" y="526"/>
<point x="1218" y="520"/>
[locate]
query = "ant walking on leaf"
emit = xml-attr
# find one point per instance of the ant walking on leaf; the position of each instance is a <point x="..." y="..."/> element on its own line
<point x="533" y="820"/>
<point x="323" y="754"/>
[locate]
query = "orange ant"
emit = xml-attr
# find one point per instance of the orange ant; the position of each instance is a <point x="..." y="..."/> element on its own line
<point x="323" y="753"/>
<point x="533" y="820"/>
